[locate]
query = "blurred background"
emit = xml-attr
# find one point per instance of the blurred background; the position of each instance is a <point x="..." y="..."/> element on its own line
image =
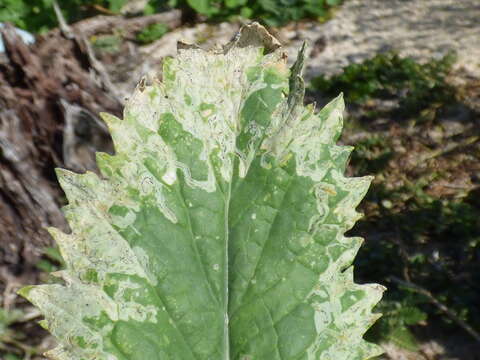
<point x="410" y="72"/>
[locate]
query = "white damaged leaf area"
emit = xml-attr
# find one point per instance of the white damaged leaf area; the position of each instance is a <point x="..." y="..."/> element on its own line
<point x="216" y="231"/>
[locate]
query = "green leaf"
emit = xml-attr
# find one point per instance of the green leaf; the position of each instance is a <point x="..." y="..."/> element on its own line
<point x="12" y="357"/>
<point x="116" y="5"/>
<point x="403" y="338"/>
<point x="235" y="3"/>
<point x="217" y="229"/>
<point x="412" y="315"/>
<point x="8" y="317"/>
<point x="206" y="7"/>
<point x="151" y="33"/>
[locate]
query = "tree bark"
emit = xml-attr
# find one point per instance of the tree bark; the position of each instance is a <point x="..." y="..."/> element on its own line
<point x="50" y="95"/>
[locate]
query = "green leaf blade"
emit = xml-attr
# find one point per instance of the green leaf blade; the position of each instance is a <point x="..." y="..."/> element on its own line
<point x="217" y="229"/>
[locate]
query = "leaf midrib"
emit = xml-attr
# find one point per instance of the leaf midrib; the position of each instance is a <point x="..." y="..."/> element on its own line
<point x="226" y="324"/>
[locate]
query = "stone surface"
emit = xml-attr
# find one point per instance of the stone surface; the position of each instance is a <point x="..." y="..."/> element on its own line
<point x="417" y="28"/>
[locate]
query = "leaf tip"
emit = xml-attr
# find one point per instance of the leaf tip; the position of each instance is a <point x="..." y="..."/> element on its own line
<point x="109" y="119"/>
<point x="44" y="325"/>
<point x="339" y="101"/>
<point x="25" y="291"/>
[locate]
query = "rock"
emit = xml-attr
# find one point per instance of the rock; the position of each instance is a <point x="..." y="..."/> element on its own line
<point x="416" y="28"/>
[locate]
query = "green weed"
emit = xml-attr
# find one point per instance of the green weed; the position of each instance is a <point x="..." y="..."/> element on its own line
<point x="38" y="16"/>
<point x="110" y="44"/>
<point x="151" y="33"/>
<point x="388" y="76"/>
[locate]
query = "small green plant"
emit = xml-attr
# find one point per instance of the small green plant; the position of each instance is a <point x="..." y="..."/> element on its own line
<point x="272" y="13"/>
<point x="418" y="228"/>
<point x="394" y="326"/>
<point x="7" y="318"/>
<point x="216" y="231"/>
<point x="38" y="16"/>
<point x="372" y="155"/>
<point x="110" y="44"/>
<point x="51" y="261"/>
<point x="12" y="346"/>
<point x="151" y="33"/>
<point x="389" y="76"/>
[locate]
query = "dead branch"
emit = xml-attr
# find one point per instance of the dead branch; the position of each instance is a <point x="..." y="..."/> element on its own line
<point x="442" y="307"/>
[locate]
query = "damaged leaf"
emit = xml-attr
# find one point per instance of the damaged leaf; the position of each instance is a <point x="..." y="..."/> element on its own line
<point x="217" y="229"/>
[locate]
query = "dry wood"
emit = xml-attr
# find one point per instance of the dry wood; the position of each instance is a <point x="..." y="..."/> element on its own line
<point x="49" y="94"/>
<point x="127" y="26"/>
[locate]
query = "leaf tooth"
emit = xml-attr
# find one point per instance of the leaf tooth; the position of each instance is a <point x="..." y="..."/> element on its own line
<point x="356" y="188"/>
<point x="26" y="291"/>
<point x="331" y="120"/>
<point x="64" y="242"/>
<point x="347" y="257"/>
<point x="372" y="295"/>
<point x="340" y="156"/>
<point x="375" y="292"/>
<point x="78" y="187"/>
<point x="110" y="120"/>
<point x="123" y="134"/>
<point x="146" y="105"/>
<point x="107" y="163"/>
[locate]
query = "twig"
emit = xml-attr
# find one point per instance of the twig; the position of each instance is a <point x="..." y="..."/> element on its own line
<point x="128" y="26"/>
<point x="103" y="10"/>
<point x="32" y="314"/>
<point x="84" y="45"/>
<point x="442" y="307"/>
<point x="64" y="28"/>
<point x="449" y="147"/>
<point x="101" y="71"/>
